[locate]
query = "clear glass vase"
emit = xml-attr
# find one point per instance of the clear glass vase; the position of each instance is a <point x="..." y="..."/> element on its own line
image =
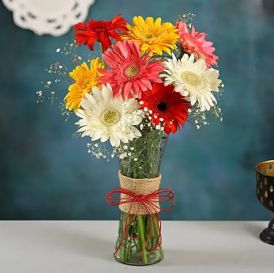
<point x="139" y="243"/>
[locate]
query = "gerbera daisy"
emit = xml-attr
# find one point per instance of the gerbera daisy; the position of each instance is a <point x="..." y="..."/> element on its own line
<point x="193" y="79"/>
<point x="100" y="31"/>
<point x="195" y="43"/>
<point x="85" y="78"/>
<point x="166" y="107"/>
<point x="129" y="73"/>
<point x="152" y="36"/>
<point x="103" y="116"/>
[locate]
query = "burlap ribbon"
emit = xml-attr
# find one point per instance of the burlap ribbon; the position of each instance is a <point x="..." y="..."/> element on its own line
<point x="140" y="187"/>
<point x="141" y="196"/>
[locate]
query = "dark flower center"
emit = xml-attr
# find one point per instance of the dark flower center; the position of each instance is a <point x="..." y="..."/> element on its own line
<point x="162" y="106"/>
<point x="100" y="27"/>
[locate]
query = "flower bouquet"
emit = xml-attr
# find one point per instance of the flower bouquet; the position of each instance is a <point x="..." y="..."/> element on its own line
<point x="149" y="79"/>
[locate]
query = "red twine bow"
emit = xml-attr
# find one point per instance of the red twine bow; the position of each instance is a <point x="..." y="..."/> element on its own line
<point x="148" y="203"/>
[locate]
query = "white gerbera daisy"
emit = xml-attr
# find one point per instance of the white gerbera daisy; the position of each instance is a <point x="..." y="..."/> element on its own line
<point x="105" y="117"/>
<point x="193" y="80"/>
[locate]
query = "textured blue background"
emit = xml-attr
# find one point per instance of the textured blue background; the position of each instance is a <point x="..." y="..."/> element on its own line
<point x="46" y="174"/>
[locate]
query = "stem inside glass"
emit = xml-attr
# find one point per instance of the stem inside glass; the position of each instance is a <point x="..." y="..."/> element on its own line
<point x="138" y="235"/>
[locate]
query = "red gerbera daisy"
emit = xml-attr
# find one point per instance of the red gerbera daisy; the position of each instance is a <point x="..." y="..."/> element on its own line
<point x="100" y="31"/>
<point x="165" y="106"/>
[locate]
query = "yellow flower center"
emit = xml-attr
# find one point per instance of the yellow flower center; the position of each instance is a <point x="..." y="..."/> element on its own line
<point x="86" y="84"/>
<point x="110" y="117"/>
<point x="132" y="70"/>
<point x="191" y="78"/>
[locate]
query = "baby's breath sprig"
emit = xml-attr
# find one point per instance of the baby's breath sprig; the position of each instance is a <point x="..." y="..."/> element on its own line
<point x="197" y="117"/>
<point x="65" y="112"/>
<point x="216" y="112"/>
<point x="58" y="72"/>
<point x="186" y="18"/>
<point x="70" y="50"/>
<point x="201" y="118"/>
<point x="147" y="123"/>
<point x="100" y="151"/>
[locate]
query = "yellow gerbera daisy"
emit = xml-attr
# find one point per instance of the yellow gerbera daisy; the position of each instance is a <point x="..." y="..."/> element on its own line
<point x="152" y="36"/>
<point x="85" y="78"/>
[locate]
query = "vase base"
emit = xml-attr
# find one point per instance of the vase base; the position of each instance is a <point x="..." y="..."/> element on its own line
<point x="135" y="261"/>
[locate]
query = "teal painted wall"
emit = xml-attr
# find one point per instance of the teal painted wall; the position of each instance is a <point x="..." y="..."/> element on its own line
<point x="47" y="174"/>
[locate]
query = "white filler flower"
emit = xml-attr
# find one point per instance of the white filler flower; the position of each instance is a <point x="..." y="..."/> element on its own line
<point x="193" y="79"/>
<point x="105" y="117"/>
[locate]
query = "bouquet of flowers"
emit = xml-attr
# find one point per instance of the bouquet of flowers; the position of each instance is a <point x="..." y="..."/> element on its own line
<point x="149" y="79"/>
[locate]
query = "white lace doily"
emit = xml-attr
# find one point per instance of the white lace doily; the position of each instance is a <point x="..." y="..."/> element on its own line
<point x="54" y="17"/>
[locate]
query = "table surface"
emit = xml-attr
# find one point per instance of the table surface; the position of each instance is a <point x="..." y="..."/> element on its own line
<point x="87" y="246"/>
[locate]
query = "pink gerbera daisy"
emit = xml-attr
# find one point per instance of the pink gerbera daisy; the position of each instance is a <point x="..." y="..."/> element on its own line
<point x="195" y="43"/>
<point x="130" y="73"/>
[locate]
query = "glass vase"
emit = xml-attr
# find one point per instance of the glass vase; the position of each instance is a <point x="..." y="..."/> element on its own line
<point x="139" y="239"/>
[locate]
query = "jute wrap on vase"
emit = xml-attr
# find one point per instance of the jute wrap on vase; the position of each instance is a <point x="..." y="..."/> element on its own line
<point x="141" y="187"/>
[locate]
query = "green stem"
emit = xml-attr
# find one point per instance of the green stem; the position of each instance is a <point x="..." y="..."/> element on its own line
<point x="141" y="236"/>
<point x="125" y="243"/>
<point x="129" y="251"/>
<point x="156" y="231"/>
<point x="147" y="153"/>
<point x="121" y="227"/>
